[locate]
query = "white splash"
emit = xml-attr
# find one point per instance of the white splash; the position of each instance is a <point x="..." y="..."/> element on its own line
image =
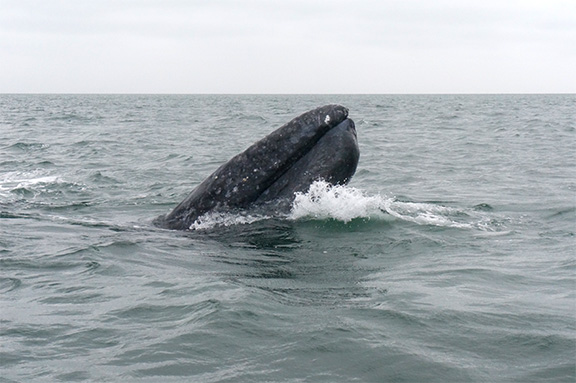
<point x="11" y="181"/>
<point x="22" y="179"/>
<point x="427" y="214"/>
<point x="221" y="219"/>
<point x="324" y="201"/>
<point x="343" y="203"/>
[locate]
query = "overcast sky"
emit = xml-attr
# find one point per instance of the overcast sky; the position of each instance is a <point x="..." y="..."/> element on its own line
<point x="289" y="46"/>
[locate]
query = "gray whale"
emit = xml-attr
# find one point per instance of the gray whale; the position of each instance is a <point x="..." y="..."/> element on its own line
<point x="319" y="144"/>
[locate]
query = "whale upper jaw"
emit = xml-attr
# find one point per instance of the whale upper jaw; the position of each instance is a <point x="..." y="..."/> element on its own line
<point x="319" y="144"/>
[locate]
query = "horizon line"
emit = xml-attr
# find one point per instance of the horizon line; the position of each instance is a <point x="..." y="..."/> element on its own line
<point x="287" y="94"/>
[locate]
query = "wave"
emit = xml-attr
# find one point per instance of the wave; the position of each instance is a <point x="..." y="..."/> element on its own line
<point x="322" y="201"/>
<point x="41" y="188"/>
<point x="225" y="219"/>
<point x="429" y="214"/>
<point x="27" y="146"/>
<point x="15" y="181"/>
<point x="343" y="203"/>
<point x="346" y="203"/>
<point x="12" y="181"/>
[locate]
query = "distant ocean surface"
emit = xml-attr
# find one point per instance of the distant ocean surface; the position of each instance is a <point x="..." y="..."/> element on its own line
<point x="450" y="257"/>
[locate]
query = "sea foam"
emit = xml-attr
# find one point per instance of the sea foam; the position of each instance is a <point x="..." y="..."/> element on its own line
<point x="339" y="202"/>
<point x="345" y="203"/>
<point x="324" y="201"/>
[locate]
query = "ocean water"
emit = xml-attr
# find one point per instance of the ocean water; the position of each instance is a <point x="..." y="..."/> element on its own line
<point x="450" y="257"/>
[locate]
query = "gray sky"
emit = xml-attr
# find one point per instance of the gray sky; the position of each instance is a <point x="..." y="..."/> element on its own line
<point x="289" y="46"/>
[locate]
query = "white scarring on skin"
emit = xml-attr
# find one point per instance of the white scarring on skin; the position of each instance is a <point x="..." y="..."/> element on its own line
<point x="327" y="119"/>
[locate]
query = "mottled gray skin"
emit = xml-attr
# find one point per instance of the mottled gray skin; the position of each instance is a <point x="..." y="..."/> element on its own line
<point x="319" y="144"/>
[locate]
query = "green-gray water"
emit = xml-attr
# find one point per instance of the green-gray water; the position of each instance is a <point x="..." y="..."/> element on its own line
<point x="448" y="258"/>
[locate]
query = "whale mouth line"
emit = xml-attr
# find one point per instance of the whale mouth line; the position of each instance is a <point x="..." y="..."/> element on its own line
<point x="332" y="158"/>
<point x="298" y="156"/>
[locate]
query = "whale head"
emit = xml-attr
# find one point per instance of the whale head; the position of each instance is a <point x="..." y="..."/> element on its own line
<point x="319" y="144"/>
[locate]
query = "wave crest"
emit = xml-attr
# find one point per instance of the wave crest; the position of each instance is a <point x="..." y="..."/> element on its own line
<point x="324" y="201"/>
<point x="225" y="219"/>
<point x="345" y="203"/>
